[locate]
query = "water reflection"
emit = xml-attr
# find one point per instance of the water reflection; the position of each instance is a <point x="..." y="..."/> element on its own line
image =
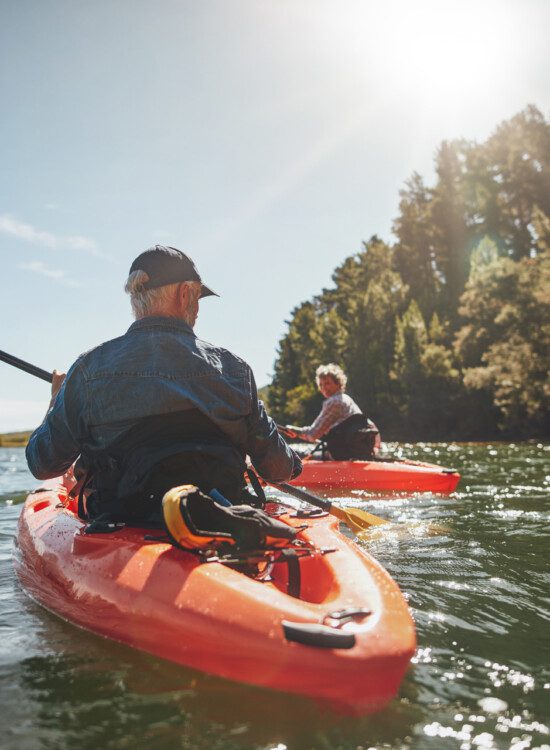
<point x="90" y="692"/>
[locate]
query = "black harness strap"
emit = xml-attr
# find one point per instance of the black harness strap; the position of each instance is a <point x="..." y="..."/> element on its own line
<point x="256" y="485"/>
<point x="292" y="559"/>
<point x="81" y="506"/>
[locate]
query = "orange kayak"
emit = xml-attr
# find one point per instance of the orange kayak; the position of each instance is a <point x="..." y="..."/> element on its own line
<point x="330" y="624"/>
<point x="378" y="475"/>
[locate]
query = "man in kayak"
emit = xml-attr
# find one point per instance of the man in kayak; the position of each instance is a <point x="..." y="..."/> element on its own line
<point x="157" y="407"/>
<point x="348" y="433"/>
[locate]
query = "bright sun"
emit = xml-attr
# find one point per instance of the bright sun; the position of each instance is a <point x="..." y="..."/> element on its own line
<point x="443" y="53"/>
<point x="437" y="51"/>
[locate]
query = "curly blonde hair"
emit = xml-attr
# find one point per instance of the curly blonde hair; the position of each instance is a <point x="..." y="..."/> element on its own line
<point x="333" y="371"/>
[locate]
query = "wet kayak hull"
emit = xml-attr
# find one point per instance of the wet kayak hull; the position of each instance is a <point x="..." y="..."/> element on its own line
<point x="211" y="617"/>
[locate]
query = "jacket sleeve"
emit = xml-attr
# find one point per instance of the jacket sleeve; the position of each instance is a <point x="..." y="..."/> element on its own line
<point x="272" y="458"/>
<point x="54" y="445"/>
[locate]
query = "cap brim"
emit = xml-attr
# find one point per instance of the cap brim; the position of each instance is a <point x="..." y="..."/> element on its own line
<point x="207" y="292"/>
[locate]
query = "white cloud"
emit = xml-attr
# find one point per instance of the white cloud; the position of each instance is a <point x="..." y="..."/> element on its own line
<point x="9" y="225"/>
<point x="37" y="266"/>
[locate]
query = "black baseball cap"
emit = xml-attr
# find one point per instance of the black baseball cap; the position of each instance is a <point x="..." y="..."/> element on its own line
<point x="168" y="265"/>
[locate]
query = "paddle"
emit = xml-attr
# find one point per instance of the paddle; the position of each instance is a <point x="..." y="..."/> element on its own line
<point x="22" y="365"/>
<point x="356" y="519"/>
<point x="293" y="435"/>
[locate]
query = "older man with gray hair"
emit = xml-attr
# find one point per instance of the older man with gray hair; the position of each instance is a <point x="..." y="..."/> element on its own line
<point x="157" y="406"/>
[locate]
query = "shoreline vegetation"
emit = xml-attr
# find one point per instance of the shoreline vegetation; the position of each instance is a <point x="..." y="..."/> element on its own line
<point x="443" y="332"/>
<point x="14" y="439"/>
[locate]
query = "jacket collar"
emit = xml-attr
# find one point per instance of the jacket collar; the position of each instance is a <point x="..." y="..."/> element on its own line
<point x="161" y="322"/>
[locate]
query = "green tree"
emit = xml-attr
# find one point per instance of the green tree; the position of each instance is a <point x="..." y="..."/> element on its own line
<point x="504" y="341"/>
<point x="415" y="258"/>
<point x="516" y="161"/>
<point x="426" y="377"/>
<point x="295" y="359"/>
<point x="449" y="224"/>
<point x="372" y="311"/>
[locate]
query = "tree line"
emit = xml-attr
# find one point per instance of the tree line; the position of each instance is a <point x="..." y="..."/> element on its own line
<point x="444" y="334"/>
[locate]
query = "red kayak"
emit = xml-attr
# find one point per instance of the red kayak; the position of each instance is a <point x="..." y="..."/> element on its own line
<point x="378" y="476"/>
<point x="321" y="618"/>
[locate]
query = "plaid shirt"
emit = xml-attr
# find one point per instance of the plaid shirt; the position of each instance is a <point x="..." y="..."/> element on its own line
<point x="335" y="409"/>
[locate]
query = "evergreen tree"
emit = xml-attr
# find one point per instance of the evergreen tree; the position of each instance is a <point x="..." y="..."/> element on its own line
<point x="371" y="330"/>
<point x="449" y="225"/>
<point x="426" y="377"/>
<point x="517" y="160"/>
<point x="415" y="258"/>
<point x="504" y="342"/>
<point x="295" y="360"/>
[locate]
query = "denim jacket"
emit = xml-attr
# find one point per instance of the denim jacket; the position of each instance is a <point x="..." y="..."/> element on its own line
<point x="157" y="367"/>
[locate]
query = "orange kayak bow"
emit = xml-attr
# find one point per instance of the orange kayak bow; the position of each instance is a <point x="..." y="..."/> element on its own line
<point x="328" y="622"/>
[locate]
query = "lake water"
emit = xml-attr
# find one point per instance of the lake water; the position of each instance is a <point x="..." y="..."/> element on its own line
<point x="480" y="595"/>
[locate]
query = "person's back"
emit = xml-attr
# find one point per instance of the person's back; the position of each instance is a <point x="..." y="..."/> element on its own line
<point x="157" y="390"/>
<point x="159" y="366"/>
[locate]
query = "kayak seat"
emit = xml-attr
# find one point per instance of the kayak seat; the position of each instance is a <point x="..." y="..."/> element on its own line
<point x="248" y="539"/>
<point x="195" y="521"/>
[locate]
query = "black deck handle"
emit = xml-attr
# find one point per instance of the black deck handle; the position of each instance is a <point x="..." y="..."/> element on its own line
<point x="321" y="636"/>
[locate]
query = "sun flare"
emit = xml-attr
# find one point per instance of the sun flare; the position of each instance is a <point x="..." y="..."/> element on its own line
<point x="431" y="52"/>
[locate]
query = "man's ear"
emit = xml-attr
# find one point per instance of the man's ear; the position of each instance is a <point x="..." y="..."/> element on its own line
<point x="183" y="295"/>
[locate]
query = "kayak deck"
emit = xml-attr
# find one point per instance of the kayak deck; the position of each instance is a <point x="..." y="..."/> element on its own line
<point x="378" y="475"/>
<point x="347" y="638"/>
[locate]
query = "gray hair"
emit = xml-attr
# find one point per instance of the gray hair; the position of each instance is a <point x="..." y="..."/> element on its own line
<point x="147" y="302"/>
<point x="333" y="371"/>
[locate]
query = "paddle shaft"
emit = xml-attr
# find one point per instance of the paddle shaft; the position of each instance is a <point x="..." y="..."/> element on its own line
<point x="26" y="367"/>
<point x="358" y="520"/>
<point x="299" y="494"/>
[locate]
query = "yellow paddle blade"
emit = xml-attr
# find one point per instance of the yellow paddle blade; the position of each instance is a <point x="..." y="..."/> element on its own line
<point x="399" y="531"/>
<point x="356" y="519"/>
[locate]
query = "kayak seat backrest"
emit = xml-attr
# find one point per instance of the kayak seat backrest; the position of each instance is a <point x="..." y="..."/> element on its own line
<point x="352" y="439"/>
<point x="195" y="521"/>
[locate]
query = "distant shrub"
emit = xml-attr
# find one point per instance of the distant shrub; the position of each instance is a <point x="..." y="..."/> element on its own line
<point x="14" y="439"/>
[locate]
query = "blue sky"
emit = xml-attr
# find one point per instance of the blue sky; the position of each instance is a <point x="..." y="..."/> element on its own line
<point x="266" y="138"/>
